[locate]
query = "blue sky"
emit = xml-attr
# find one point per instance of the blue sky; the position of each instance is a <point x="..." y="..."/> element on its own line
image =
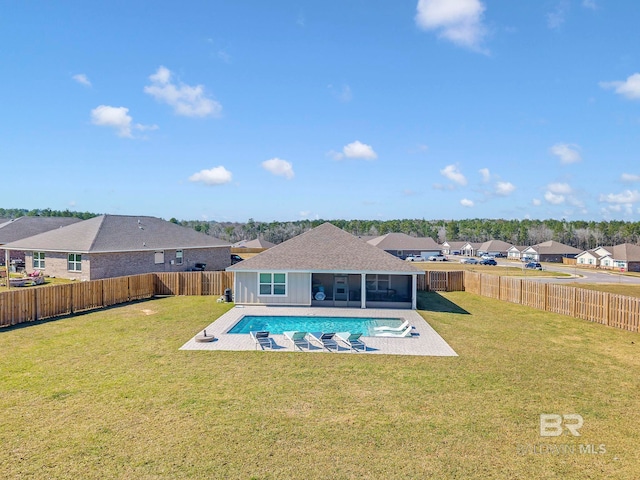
<point x="351" y="109"/>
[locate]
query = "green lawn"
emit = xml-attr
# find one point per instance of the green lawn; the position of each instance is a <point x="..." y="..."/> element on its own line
<point x="109" y="395"/>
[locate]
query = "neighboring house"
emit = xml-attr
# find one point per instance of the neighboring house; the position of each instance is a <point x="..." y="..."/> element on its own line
<point x="255" y="243"/>
<point x="497" y="248"/>
<point x="326" y="266"/>
<point x="550" y="251"/>
<point x="593" y="257"/>
<point x="116" y="245"/>
<point x="402" y="245"/>
<point x="452" y="248"/>
<point x="470" y="249"/>
<point x="621" y="257"/>
<point x="15" y="229"/>
<point x="515" y="252"/>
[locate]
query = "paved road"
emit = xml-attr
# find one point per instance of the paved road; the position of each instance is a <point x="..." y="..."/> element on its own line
<point x="579" y="275"/>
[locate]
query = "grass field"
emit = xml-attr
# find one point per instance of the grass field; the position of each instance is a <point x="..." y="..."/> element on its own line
<point x="617" y="288"/>
<point x="109" y="395"/>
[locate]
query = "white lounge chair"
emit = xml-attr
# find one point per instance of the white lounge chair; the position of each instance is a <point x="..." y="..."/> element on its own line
<point x="385" y="328"/>
<point x="405" y="333"/>
<point x="326" y="340"/>
<point x="262" y="339"/>
<point x="298" y="339"/>
<point x="352" y="340"/>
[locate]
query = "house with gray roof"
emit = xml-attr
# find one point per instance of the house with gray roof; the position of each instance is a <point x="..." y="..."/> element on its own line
<point x="326" y="266"/>
<point x="550" y="251"/>
<point x="15" y="229"/>
<point x="496" y="248"/>
<point x="255" y="243"/>
<point x="402" y="245"/>
<point x="117" y="245"/>
<point x="625" y="256"/>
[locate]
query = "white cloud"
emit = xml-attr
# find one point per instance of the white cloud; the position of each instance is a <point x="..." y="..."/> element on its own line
<point x="630" y="88"/>
<point x="357" y="150"/>
<point x="82" y="79"/>
<point x="566" y="152"/>
<point x="279" y="167"/>
<point x="537" y="202"/>
<point x="118" y="118"/>
<point x="553" y="198"/>
<point x="343" y="93"/>
<point x="630" y="177"/>
<point x="591" y="4"/>
<point x="560" y="188"/>
<point x="452" y="173"/>
<point x="186" y="100"/>
<point x="486" y="175"/>
<point x="465" y="202"/>
<point x="556" y="18"/>
<point x="505" y="188"/>
<point x="459" y="21"/>
<point x="628" y="196"/>
<point x="214" y="176"/>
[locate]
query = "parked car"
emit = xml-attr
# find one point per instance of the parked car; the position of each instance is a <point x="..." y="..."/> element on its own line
<point x="235" y="258"/>
<point x="437" y="258"/>
<point x="488" y="261"/>
<point x="533" y="265"/>
<point x="414" y="258"/>
<point x="469" y="260"/>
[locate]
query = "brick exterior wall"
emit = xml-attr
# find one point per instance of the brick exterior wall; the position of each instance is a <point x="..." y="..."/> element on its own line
<point x="107" y="265"/>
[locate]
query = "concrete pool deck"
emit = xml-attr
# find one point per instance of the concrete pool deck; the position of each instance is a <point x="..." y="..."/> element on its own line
<point x="427" y="342"/>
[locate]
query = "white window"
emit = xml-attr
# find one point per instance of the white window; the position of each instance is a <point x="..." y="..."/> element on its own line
<point x="272" y="284"/>
<point x="38" y="260"/>
<point x="159" y="257"/>
<point x="74" y="262"/>
<point x="179" y="257"/>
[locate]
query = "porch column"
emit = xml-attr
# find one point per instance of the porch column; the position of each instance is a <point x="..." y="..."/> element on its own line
<point x="363" y="290"/>
<point x="414" y="291"/>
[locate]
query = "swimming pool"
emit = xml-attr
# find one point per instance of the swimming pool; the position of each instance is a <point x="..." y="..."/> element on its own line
<point x="281" y="324"/>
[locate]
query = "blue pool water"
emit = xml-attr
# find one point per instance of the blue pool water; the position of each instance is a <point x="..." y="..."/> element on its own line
<point x="281" y="324"/>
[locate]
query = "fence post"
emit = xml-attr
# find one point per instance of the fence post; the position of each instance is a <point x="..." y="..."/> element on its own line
<point x="607" y="311"/>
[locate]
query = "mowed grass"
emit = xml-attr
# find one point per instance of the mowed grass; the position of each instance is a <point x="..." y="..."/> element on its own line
<point x="616" y="288"/>
<point x="110" y="395"/>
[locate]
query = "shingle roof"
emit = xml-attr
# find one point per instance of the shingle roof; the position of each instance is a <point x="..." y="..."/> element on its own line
<point x="495" y="246"/>
<point x="326" y="248"/>
<point x="552" y="247"/>
<point x="402" y="241"/>
<point x="625" y="251"/>
<point x="117" y="233"/>
<point x="24" y="227"/>
<point x="255" y="243"/>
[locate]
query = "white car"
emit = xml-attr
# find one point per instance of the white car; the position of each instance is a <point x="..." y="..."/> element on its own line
<point x="437" y="258"/>
<point x="469" y="260"/>
<point x="414" y="258"/>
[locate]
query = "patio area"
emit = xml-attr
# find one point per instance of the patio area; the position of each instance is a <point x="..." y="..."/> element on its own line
<point x="426" y="342"/>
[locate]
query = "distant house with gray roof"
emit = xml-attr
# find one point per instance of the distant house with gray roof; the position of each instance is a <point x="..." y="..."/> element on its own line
<point x="625" y="256"/>
<point x="550" y="251"/>
<point x="402" y="245"/>
<point x="326" y="266"/>
<point x="15" y="229"/>
<point x="116" y="245"/>
<point x="255" y="243"/>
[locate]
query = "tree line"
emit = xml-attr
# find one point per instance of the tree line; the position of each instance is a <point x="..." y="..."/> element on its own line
<point x="577" y="233"/>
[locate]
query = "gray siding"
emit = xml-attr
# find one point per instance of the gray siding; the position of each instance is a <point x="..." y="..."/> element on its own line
<point x="298" y="290"/>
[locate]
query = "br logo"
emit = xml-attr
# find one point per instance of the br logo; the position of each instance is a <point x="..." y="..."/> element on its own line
<point x="553" y="425"/>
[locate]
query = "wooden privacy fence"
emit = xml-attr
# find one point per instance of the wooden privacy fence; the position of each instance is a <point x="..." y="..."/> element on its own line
<point x="437" y="281"/>
<point x="31" y="304"/>
<point x="618" y="311"/>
